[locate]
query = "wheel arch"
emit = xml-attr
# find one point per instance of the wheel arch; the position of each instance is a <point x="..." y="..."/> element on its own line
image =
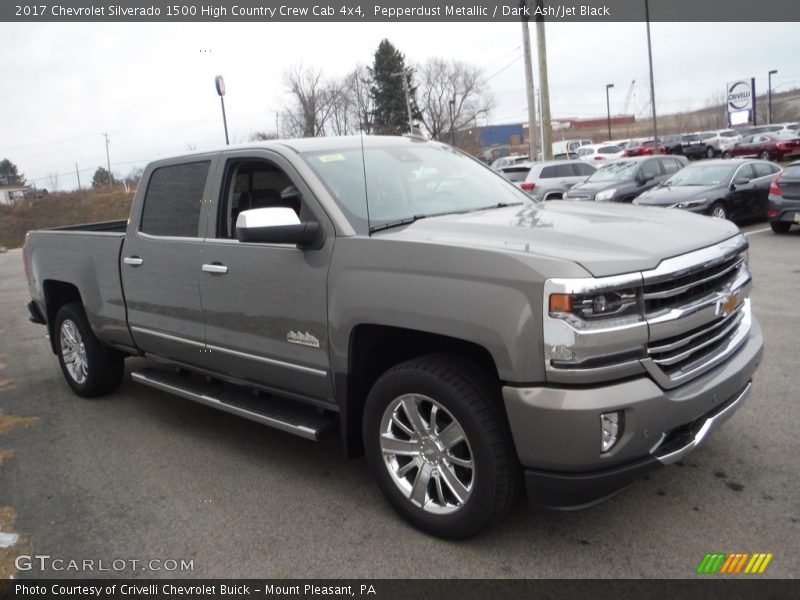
<point x="373" y="349"/>
<point x="57" y="294"/>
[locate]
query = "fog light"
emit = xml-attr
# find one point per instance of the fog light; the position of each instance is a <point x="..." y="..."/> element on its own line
<point x="610" y="429"/>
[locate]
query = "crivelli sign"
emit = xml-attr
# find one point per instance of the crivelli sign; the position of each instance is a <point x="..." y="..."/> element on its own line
<point x="741" y="102"/>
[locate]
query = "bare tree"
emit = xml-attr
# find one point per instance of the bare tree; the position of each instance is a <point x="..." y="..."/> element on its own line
<point x="451" y="95"/>
<point x="263" y="136"/>
<point x="312" y="102"/>
<point x="362" y="95"/>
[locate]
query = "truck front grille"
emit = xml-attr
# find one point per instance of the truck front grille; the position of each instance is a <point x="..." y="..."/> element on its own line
<point x="698" y="313"/>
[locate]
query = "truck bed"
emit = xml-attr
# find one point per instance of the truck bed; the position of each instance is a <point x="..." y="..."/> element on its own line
<point x="100" y="226"/>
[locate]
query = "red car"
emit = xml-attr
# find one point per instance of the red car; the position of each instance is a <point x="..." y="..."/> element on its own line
<point x="766" y="146"/>
<point x="645" y="148"/>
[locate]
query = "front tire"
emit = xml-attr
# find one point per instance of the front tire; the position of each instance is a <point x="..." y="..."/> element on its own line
<point x="710" y="152"/>
<point x="764" y="155"/>
<point x="718" y="211"/>
<point x="90" y="367"/>
<point x="438" y="445"/>
<point x="727" y="154"/>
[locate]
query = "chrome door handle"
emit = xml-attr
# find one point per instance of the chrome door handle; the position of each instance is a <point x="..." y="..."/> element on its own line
<point x="133" y="261"/>
<point x="217" y="269"/>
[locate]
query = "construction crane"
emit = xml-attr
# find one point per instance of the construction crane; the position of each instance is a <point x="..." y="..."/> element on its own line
<point x="628" y="97"/>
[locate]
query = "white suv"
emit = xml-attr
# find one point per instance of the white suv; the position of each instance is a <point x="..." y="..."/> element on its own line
<point x="599" y="153"/>
<point x="719" y="140"/>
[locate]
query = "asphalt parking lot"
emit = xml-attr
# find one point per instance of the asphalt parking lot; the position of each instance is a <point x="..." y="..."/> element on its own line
<point x="141" y="475"/>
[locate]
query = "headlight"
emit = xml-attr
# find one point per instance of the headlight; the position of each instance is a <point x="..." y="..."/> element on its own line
<point x="612" y="303"/>
<point x="688" y="203"/>
<point x="594" y="329"/>
<point x="605" y="195"/>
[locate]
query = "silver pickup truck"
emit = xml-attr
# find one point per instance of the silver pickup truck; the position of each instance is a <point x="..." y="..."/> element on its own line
<point x="466" y="339"/>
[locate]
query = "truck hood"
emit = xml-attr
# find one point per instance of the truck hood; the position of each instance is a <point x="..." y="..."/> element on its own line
<point x="605" y="239"/>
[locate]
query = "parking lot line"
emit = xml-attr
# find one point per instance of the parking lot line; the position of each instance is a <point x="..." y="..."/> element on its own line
<point x="758" y="231"/>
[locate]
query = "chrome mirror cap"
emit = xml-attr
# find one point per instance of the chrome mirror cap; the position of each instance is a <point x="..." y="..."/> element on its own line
<point x="272" y="216"/>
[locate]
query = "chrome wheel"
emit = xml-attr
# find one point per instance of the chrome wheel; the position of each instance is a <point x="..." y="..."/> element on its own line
<point x="73" y="352"/>
<point x="427" y="454"/>
<point x="718" y="212"/>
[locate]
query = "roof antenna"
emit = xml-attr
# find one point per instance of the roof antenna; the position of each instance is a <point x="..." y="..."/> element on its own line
<point x="363" y="157"/>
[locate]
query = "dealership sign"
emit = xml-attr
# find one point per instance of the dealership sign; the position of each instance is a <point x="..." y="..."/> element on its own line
<point x="741" y="102"/>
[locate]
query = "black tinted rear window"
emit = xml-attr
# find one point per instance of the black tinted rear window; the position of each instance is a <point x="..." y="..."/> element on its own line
<point x="173" y="200"/>
<point x="516" y="174"/>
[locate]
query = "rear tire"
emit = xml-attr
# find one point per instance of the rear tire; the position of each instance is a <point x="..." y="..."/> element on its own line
<point x="727" y="154"/>
<point x="413" y="414"/>
<point x="710" y="152"/>
<point x="780" y="226"/>
<point x="90" y="367"/>
<point x="764" y="155"/>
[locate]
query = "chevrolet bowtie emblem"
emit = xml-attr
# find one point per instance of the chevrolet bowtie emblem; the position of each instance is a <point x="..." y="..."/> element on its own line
<point x="727" y="305"/>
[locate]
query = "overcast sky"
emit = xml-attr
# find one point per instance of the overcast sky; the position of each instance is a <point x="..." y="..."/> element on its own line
<point x="152" y="89"/>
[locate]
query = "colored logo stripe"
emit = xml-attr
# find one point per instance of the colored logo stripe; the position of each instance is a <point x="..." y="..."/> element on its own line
<point x="723" y="563"/>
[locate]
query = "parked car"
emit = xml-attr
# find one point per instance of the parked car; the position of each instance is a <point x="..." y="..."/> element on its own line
<point x="564" y="146"/>
<point x="642" y="148"/>
<point x="624" y="179"/>
<point x="550" y="180"/>
<point x="783" y="203"/>
<point x="794" y="126"/>
<point x="727" y="189"/>
<point x="718" y="141"/>
<point x="766" y="146"/>
<point x="689" y="144"/>
<point x="490" y="155"/>
<point x="599" y="152"/>
<point x="511" y="159"/>
<point x="466" y="340"/>
<point x="516" y="174"/>
<point x="566" y="156"/>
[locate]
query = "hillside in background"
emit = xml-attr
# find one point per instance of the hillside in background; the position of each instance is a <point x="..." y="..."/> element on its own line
<point x="61" y="208"/>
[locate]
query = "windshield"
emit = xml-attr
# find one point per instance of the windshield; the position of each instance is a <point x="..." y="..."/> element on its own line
<point x="408" y="181"/>
<point x="619" y="171"/>
<point x="701" y="175"/>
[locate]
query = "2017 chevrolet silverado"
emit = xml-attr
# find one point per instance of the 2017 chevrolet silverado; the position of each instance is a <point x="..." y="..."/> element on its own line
<point x="465" y="338"/>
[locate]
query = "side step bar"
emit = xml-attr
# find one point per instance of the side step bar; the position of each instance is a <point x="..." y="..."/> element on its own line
<point x="279" y="413"/>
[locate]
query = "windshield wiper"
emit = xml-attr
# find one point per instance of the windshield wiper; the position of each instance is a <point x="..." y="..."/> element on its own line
<point x="498" y="205"/>
<point x="397" y="223"/>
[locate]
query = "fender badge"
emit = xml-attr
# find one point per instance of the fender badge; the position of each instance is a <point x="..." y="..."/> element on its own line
<point x="302" y="338"/>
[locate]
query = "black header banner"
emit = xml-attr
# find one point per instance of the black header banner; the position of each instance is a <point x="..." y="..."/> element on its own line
<point x="263" y="11"/>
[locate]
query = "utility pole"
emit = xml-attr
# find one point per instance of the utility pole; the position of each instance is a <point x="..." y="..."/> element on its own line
<point x="452" y="121"/>
<point x="652" y="82"/>
<point x="526" y="50"/>
<point x="277" y="128"/>
<point x="406" y="91"/>
<point x="769" y="96"/>
<point x="544" y="87"/>
<point x="108" y="163"/>
<point x="78" y="175"/>
<point x="542" y="129"/>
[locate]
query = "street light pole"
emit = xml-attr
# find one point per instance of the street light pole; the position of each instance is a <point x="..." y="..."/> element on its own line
<point x="769" y="96"/>
<point x="220" y="85"/>
<point x="608" y="109"/>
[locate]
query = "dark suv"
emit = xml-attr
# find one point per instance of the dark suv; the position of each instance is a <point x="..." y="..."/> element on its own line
<point x="624" y="179"/>
<point x="690" y="145"/>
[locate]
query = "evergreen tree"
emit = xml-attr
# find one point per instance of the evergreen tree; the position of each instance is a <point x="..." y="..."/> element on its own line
<point x="9" y="174"/>
<point x="102" y="178"/>
<point x="390" y="112"/>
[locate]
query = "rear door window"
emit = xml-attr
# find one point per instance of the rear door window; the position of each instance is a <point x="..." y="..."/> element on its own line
<point x="548" y="173"/>
<point x="564" y="171"/>
<point x="582" y="169"/>
<point x="173" y="200"/>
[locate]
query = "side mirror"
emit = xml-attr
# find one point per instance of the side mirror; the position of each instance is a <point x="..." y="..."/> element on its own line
<point x="277" y="225"/>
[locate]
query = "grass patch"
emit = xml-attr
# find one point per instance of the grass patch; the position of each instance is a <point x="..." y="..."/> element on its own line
<point x="61" y="208"/>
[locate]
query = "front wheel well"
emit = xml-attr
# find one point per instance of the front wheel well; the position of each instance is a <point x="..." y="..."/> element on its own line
<point x="374" y="349"/>
<point x="56" y="295"/>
